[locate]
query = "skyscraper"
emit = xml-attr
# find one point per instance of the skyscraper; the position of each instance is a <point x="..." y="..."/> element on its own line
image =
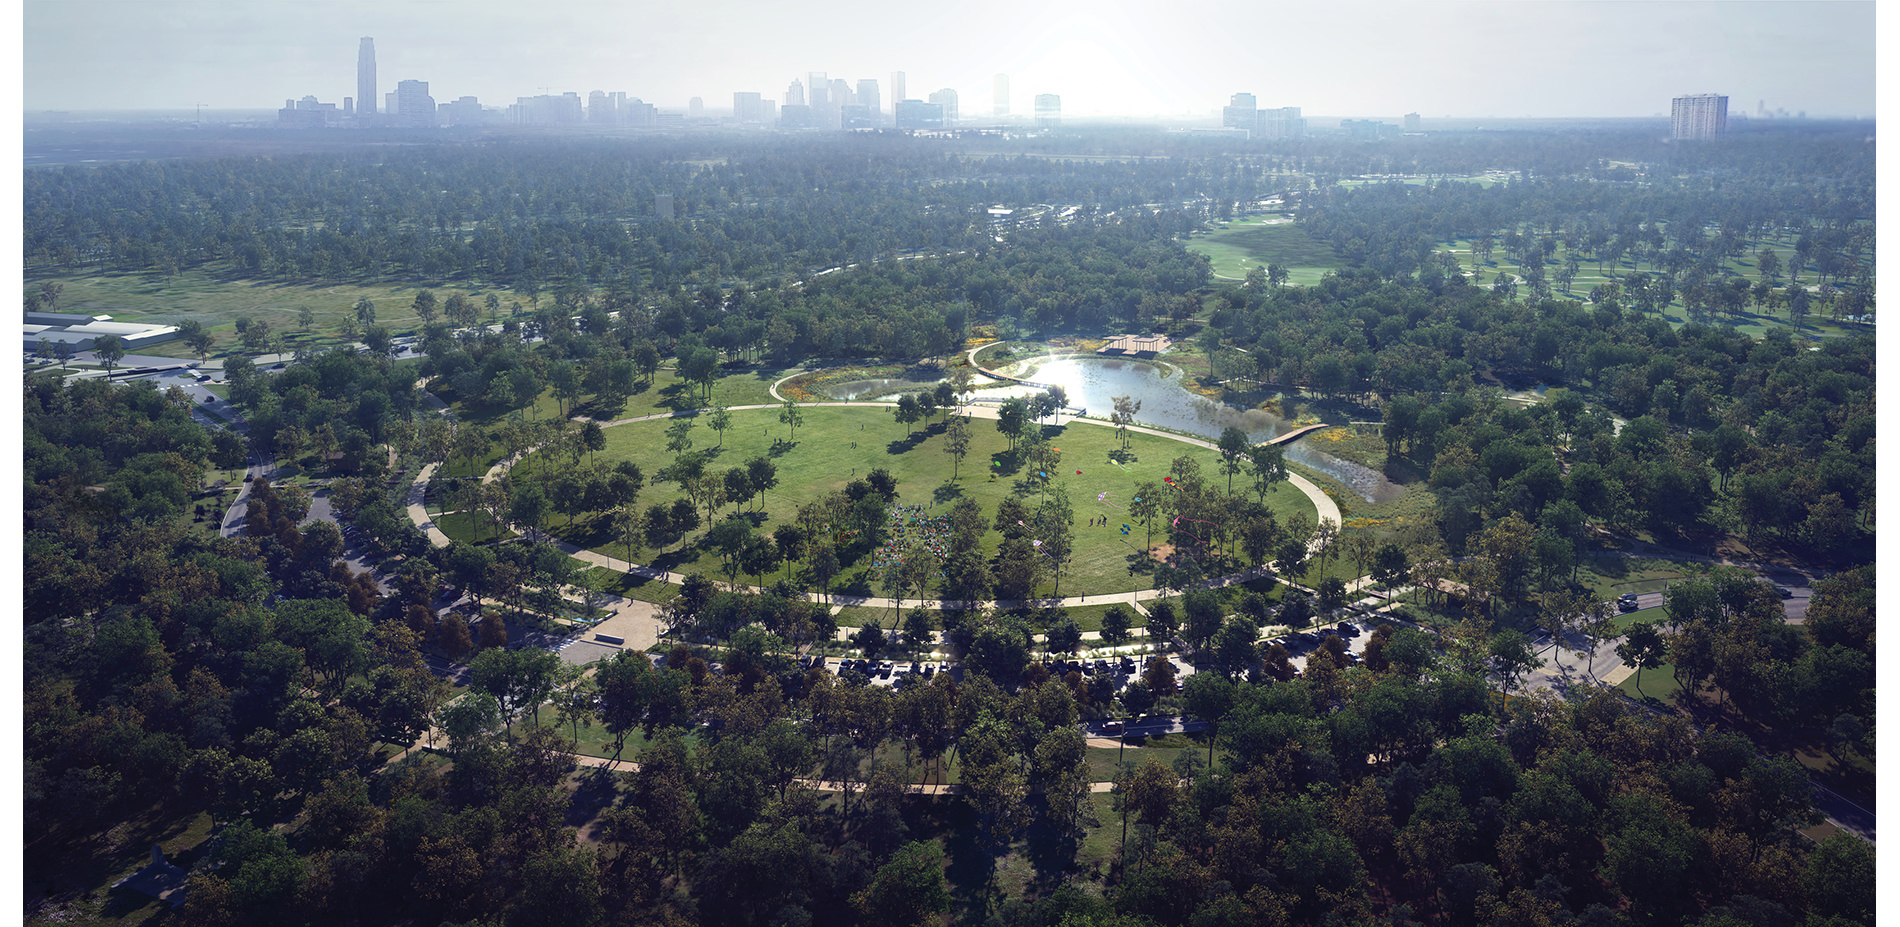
<point x="748" y="106"/>
<point x="867" y="97"/>
<point x="897" y="93"/>
<point x="946" y="98"/>
<point x="366" y="78"/>
<point x="916" y="114"/>
<point x="414" y="106"/>
<point x="1698" y="117"/>
<point x="1001" y="94"/>
<point x="1282" y="122"/>
<point x="1241" y="112"/>
<point x="1048" y="111"/>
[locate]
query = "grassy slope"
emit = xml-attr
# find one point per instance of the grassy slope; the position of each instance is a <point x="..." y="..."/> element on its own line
<point x="1259" y="241"/>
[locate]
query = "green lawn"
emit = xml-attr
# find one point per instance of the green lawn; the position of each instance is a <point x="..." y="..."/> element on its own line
<point x="838" y="444"/>
<point x="1260" y="241"/>
<point x="217" y="302"/>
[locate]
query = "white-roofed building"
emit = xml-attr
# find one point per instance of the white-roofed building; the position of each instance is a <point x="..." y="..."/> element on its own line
<point x="81" y="331"/>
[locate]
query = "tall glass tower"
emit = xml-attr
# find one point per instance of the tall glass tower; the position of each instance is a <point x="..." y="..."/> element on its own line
<point x="366" y="78"/>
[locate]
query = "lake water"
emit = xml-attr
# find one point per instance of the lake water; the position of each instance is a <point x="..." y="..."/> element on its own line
<point x="1092" y="383"/>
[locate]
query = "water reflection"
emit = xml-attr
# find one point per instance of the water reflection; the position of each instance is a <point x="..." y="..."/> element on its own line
<point x="1092" y="384"/>
<point x="867" y="389"/>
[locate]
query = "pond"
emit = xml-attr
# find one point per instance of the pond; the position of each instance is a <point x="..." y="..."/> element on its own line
<point x="870" y="389"/>
<point x="1092" y="383"/>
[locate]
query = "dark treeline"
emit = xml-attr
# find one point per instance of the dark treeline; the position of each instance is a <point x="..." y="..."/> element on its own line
<point x="532" y="214"/>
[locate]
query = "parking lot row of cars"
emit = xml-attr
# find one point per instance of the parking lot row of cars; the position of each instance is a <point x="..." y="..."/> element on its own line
<point x="896" y="670"/>
<point x="878" y="669"/>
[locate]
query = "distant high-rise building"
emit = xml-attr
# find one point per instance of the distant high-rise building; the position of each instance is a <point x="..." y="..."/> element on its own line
<point x="795" y="116"/>
<point x="600" y="108"/>
<point x="1411" y="123"/>
<point x="1698" y="117"/>
<point x="307" y="113"/>
<point x="1282" y="122"/>
<point x="366" y="78"/>
<point x="867" y="98"/>
<point x="818" y="90"/>
<point x="547" y="110"/>
<point x="748" y="107"/>
<point x="1366" y="129"/>
<point x="947" y="99"/>
<point x="837" y="97"/>
<point x="1241" y="113"/>
<point x="897" y="93"/>
<point x="1048" y="111"/>
<point x="466" y="111"/>
<point x="795" y="94"/>
<point x="916" y="114"/>
<point x="1000" y="95"/>
<point x="696" y="108"/>
<point x="414" y="106"/>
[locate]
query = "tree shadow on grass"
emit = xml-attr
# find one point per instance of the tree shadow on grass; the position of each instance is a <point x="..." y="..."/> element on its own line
<point x="594" y="791"/>
<point x="679" y="397"/>
<point x="972" y="869"/>
<point x="905" y="444"/>
<point x="673" y="558"/>
<point x="946" y="492"/>
<point x="1051" y="853"/>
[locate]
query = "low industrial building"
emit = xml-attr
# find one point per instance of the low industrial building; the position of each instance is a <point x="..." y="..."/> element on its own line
<point x="80" y="332"/>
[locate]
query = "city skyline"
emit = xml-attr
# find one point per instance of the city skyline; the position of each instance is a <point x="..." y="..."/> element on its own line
<point x="1462" y="59"/>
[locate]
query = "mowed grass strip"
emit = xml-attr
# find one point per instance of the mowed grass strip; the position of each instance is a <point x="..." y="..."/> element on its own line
<point x="1251" y="243"/>
<point x="837" y="444"/>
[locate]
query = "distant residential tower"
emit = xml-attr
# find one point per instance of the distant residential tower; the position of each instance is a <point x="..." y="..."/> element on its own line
<point x="947" y="99"/>
<point x="1698" y="117"/>
<point x="366" y="78"/>
<point x="1241" y="112"/>
<point x="1048" y="111"/>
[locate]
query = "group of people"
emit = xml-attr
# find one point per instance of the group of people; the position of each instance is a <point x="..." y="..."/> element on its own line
<point x="911" y="527"/>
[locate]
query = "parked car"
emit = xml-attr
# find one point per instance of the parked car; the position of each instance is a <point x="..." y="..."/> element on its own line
<point x="1111" y="727"/>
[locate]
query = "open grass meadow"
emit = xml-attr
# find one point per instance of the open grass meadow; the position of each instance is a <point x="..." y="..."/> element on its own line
<point x="1241" y="245"/>
<point x="837" y="444"/>
<point x="217" y="302"/>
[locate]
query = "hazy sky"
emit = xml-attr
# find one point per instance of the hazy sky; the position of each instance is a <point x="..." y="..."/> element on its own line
<point x="1465" y="58"/>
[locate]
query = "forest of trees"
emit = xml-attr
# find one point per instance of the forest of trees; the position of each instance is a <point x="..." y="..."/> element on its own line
<point x="253" y="678"/>
<point x="262" y="681"/>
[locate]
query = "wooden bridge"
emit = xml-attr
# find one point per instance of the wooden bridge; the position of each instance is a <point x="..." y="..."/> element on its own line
<point x="1293" y="435"/>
